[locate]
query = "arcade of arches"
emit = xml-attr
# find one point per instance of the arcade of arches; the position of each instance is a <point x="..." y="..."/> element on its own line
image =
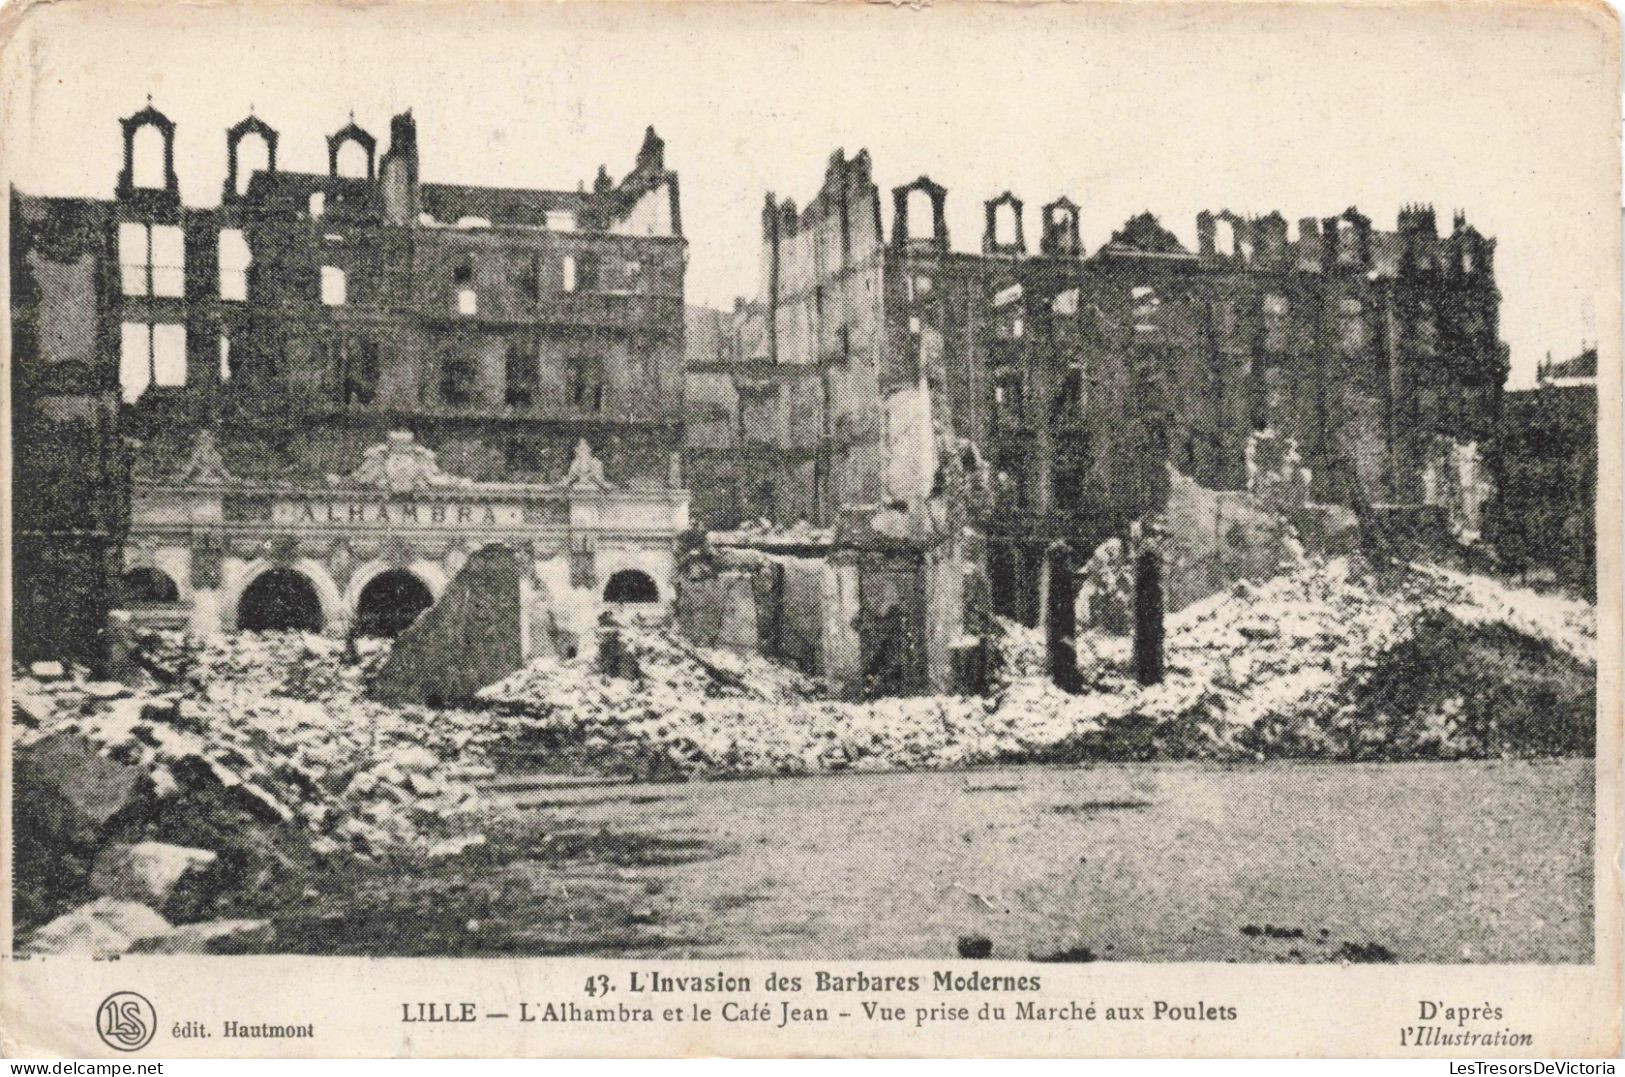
<point x="368" y="552"/>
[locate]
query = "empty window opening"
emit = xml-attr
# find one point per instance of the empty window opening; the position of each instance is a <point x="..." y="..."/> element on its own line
<point x="169" y="355"/>
<point x="1145" y="302"/>
<point x="568" y="270"/>
<point x="561" y="220"/>
<point x="253" y="155"/>
<point x="318" y="204"/>
<point x="468" y="302"/>
<point x="1008" y="403"/>
<point x="589" y="273"/>
<point x="1224" y="237"/>
<point x="280" y="600"/>
<point x="148" y="587"/>
<point x="234" y="259"/>
<point x="630" y="585"/>
<point x="147" y="157"/>
<point x="523" y="375"/>
<point x="587" y="384"/>
<point x="225" y="357"/>
<point x="390" y="602"/>
<point x="335" y="289"/>
<point x="1276" y="310"/>
<point x="457" y="380"/>
<point x="922" y="213"/>
<point x="352" y="160"/>
<point x="354" y="368"/>
<point x="1004" y="224"/>
<point x="152" y="259"/>
<point x="524" y="272"/>
<point x="150" y="355"/>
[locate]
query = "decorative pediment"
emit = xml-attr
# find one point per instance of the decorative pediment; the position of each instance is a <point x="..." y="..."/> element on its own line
<point x="399" y="465"/>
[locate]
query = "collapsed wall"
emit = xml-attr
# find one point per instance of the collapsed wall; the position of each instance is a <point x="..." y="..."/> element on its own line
<point x="873" y="607"/>
<point x="1207" y="539"/>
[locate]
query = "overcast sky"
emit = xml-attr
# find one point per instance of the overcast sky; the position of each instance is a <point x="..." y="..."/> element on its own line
<point x="1507" y="114"/>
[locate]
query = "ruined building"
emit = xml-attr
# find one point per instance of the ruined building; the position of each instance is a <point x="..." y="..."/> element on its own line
<point x="339" y="386"/>
<point x="1544" y="517"/>
<point x="1061" y="395"/>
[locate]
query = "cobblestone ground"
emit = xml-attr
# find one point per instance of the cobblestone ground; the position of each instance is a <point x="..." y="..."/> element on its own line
<point x="1419" y="862"/>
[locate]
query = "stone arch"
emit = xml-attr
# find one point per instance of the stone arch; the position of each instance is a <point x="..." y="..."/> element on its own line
<point x="351" y="134"/>
<point x="145" y="585"/>
<point x="330" y="601"/>
<point x="390" y="601"/>
<point x="250" y="132"/>
<point x="280" y="599"/>
<point x="142" y="126"/>
<point x="632" y="586"/>
<point x="431" y="573"/>
<point x="918" y="214"/>
<point x="1004" y="233"/>
<point x="148" y="151"/>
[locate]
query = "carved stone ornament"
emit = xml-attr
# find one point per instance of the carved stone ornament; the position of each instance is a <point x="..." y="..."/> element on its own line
<point x="205" y="467"/>
<point x="586" y="470"/>
<point x="399" y="465"/>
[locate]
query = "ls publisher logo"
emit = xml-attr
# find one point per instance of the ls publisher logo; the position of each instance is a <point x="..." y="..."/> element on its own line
<point x="126" y="1021"/>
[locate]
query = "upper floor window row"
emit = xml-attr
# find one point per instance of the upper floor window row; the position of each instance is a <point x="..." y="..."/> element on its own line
<point x="152" y="259"/>
<point x="584" y="272"/>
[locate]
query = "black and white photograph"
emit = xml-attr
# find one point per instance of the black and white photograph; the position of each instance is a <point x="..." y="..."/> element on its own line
<point x="1000" y="486"/>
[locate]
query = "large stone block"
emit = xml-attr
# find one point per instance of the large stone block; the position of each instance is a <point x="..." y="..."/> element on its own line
<point x="146" y="871"/>
<point x="471" y="638"/>
<point x="94" y="788"/>
<point x="104" y="928"/>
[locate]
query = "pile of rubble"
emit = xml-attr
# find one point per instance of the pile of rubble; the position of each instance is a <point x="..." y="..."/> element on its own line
<point x="1281" y="648"/>
<point x="271" y="730"/>
<point x="273" y="733"/>
<point x="278" y="723"/>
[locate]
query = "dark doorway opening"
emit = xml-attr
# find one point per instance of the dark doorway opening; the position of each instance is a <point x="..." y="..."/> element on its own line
<point x="280" y="600"/>
<point x="390" y="602"/>
<point x="630" y="585"/>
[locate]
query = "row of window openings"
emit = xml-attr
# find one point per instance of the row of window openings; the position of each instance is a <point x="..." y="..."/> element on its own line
<point x="155" y="355"/>
<point x="152" y="261"/>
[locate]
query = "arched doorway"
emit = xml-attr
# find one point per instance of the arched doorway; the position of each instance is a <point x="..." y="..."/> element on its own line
<point x="280" y="599"/>
<point x="390" y="602"/>
<point x="630" y="585"/>
<point x="148" y="587"/>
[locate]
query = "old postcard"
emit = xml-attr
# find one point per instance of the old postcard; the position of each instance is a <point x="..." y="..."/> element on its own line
<point x="842" y="529"/>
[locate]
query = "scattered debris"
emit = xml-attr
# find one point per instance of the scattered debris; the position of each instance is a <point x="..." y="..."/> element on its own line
<point x="1072" y="954"/>
<point x="975" y="946"/>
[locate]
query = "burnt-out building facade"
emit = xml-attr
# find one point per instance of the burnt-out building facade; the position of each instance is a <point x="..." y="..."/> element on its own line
<point x="1544" y="517"/>
<point x="336" y="379"/>
<point x="1059" y="391"/>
